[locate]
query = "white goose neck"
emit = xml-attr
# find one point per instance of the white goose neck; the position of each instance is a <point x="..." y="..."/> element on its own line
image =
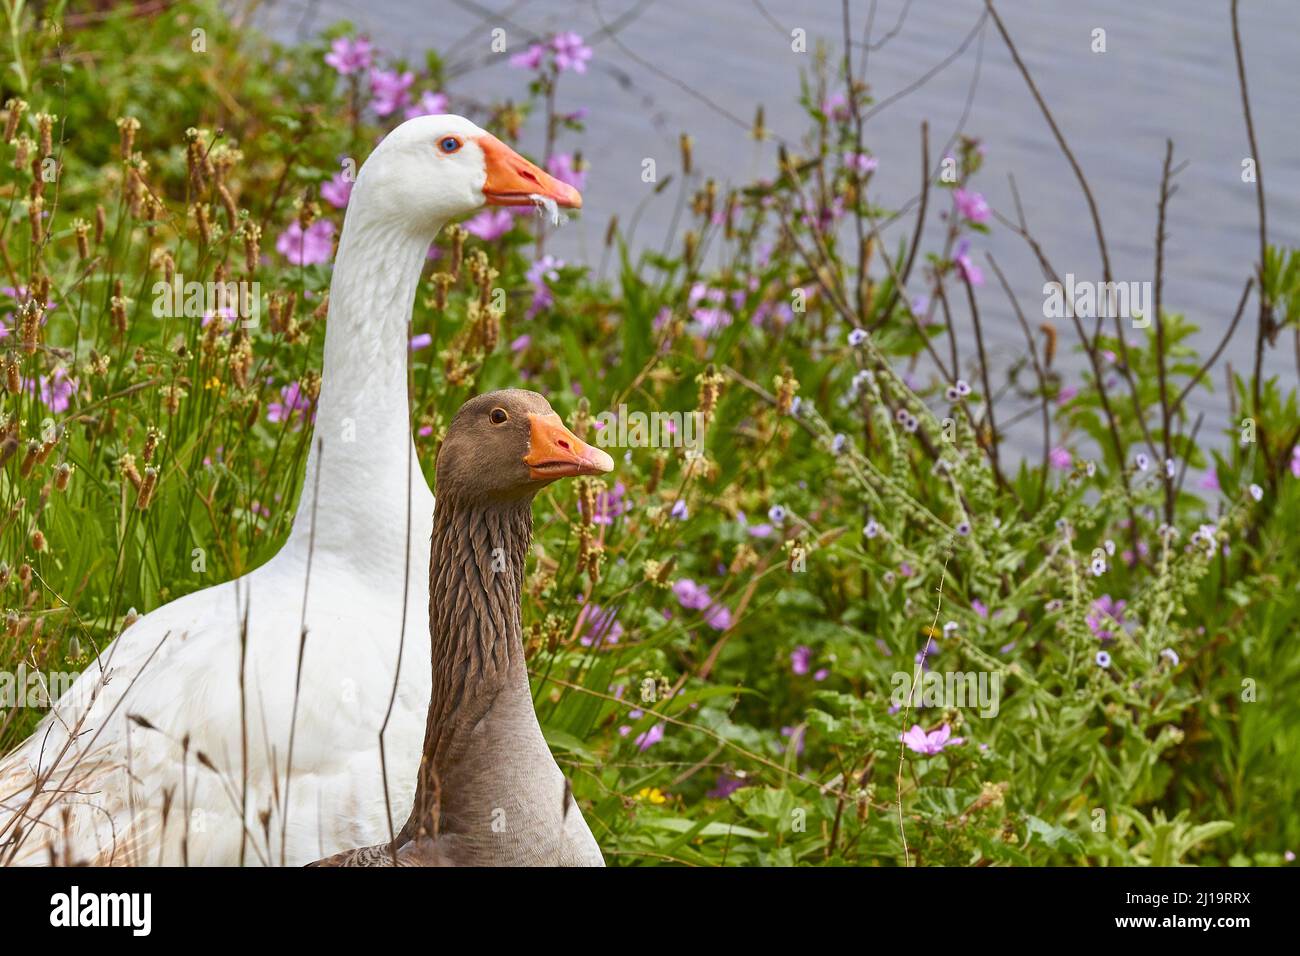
<point x="357" y="469"/>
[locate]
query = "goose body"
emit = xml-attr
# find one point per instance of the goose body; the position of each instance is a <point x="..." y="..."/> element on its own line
<point x="156" y="755"/>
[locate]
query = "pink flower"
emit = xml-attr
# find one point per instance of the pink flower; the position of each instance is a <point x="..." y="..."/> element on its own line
<point x="307" y="248"/>
<point x="429" y="104"/>
<point x="1059" y="459"/>
<point x="971" y="205"/>
<point x="598" y="626"/>
<point x="1210" y="481"/>
<point x="836" y="106"/>
<point x="293" y="404"/>
<point x="530" y="59"/>
<point x="490" y="224"/>
<point x="918" y="741"/>
<point x="540" y="273"/>
<point x="1105" y="612"/>
<point x="800" y="659"/>
<point x="55" y="390"/>
<point x="718" y="617"/>
<point x="571" y="53"/>
<point x="390" y="90"/>
<point x="961" y="256"/>
<point x="651" y="737"/>
<point x="609" y="504"/>
<point x="691" y="595"/>
<point x="860" y="162"/>
<point x="1295" y="461"/>
<point x="563" y="168"/>
<point x="337" y="191"/>
<point x="348" y="56"/>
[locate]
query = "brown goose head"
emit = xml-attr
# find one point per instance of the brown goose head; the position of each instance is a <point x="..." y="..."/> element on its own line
<point x="507" y="445"/>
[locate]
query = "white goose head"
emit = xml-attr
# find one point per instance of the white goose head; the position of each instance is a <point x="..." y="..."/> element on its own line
<point x="433" y="169"/>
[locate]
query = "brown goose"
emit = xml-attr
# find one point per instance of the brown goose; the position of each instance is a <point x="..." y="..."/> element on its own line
<point x="489" y="793"/>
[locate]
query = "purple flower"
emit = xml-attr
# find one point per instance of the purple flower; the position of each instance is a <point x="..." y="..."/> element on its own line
<point x="979" y="607"/>
<point x="530" y="59"/>
<point x="971" y="205"/>
<point x="337" y="191"/>
<point x="961" y="256"/>
<point x="763" y="530"/>
<point x="801" y="659"/>
<point x="349" y="56"/>
<point x="918" y="741"/>
<point x="1295" y="461"/>
<point x="1059" y="459"/>
<point x="540" y="273"/>
<point x="521" y="343"/>
<point x="836" y="106"/>
<point x="1210" y="481"/>
<point x="421" y="341"/>
<point x="55" y="390"/>
<point x="609" y="504"/>
<point x="718" y="617"/>
<point x="725" y="787"/>
<point x="651" y="737"/>
<point x="293" y="403"/>
<point x="860" y="162"/>
<point x="307" y="248"/>
<point x="390" y="90"/>
<point x="490" y="224"/>
<point x="598" y="626"/>
<point x="570" y="52"/>
<point x="563" y="167"/>
<point x="821" y="673"/>
<point x="679" y="510"/>
<point x="1105" y="612"/>
<point x="429" y="104"/>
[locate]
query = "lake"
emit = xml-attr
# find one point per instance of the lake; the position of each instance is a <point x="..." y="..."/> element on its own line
<point x="1168" y="71"/>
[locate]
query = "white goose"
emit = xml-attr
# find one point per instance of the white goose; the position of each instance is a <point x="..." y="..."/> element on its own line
<point x="121" y="771"/>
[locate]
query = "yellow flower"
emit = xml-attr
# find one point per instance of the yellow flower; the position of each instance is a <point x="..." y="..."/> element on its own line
<point x="216" y="383"/>
<point x="653" y="794"/>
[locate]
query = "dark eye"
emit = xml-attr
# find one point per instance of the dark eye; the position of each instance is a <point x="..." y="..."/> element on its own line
<point x="498" y="416"/>
<point x="449" y="144"/>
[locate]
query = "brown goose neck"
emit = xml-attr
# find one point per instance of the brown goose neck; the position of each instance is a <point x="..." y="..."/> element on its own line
<point x="476" y="574"/>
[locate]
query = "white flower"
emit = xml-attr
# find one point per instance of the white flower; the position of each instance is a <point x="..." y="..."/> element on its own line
<point x="1169" y="467"/>
<point x="1110" y="547"/>
<point x="872" y="528"/>
<point x="1142" y="462"/>
<point x="857" y="337"/>
<point x="962" y="388"/>
<point x="1257" y="492"/>
<point x="1103" y="659"/>
<point x="1098" y="567"/>
<point x="1170" y="655"/>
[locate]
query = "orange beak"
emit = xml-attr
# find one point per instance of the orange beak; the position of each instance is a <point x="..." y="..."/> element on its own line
<point x="511" y="179"/>
<point x="555" y="452"/>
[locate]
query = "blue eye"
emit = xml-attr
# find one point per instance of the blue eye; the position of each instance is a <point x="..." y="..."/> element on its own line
<point x="449" y="144"/>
